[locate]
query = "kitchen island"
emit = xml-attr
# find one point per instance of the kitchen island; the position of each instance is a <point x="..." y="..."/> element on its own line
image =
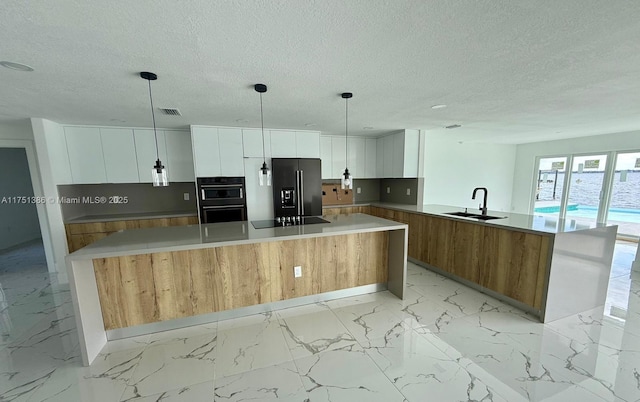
<point x="148" y="280"/>
<point x="547" y="266"/>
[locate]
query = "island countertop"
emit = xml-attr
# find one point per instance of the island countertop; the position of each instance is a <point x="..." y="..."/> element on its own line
<point x="540" y="224"/>
<point x="178" y="238"/>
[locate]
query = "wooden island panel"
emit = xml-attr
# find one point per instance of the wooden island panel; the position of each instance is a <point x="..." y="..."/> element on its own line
<point x="510" y="262"/>
<point x="148" y="288"/>
<point x="80" y="235"/>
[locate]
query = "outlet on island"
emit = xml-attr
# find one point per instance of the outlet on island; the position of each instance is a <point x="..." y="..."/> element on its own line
<point x="388" y="190"/>
<point x="297" y="271"/>
<point x="408" y="191"/>
<point x="185" y="196"/>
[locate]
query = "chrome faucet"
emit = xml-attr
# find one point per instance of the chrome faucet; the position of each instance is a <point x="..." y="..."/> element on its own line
<point x="483" y="206"/>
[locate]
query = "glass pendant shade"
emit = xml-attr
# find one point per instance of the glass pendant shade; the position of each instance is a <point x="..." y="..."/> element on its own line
<point x="264" y="175"/>
<point x="159" y="175"/>
<point x="346" y="181"/>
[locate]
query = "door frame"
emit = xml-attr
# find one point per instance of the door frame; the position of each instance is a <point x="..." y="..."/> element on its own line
<point x="605" y="190"/>
<point x="36" y="184"/>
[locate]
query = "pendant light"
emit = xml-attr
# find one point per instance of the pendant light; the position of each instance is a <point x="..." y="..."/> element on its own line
<point x="347" y="178"/>
<point x="264" y="174"/>
<point x="158" y="173"/>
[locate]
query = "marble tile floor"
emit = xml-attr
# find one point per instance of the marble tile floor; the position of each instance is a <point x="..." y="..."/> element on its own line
<point x="444" y="342"/>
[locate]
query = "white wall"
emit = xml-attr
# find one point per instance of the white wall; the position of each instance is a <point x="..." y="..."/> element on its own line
<point x="525" y="169"/>
<point x="18" y="221"/>
<point x="452" y="170"/>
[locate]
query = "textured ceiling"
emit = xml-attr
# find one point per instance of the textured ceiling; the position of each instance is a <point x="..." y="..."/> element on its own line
<point x="510" y="71"/>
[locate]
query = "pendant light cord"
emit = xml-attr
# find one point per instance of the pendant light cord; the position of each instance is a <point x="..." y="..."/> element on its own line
<point x="346" y="133"/>
<point x="264" y="157"/>
<point x="153" y="116"/>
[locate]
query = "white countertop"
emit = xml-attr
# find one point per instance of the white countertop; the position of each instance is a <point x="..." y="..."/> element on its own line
<point x="522" y="222"/>
<point x="178" y="238"/>
<point x="130" y="216"/>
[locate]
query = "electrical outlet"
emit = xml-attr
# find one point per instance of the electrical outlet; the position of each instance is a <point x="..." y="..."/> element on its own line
<point x="388" y="190"/>
<point x="408" y="191"/>
<point x="358" y="190"/>
<point x="186" y="196"/>
<point x="297" y="271"/>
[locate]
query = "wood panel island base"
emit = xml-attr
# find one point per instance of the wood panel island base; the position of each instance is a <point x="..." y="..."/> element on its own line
<point x="149" y="280"/>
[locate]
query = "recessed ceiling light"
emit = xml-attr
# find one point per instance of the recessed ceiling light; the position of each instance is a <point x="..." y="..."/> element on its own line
<point x="367" y="128"/>
<point x="453" y="126"/>
<point x="310" y="125"/>
<point x="438" y="106"/>
<point x="242" y="121"/>
<point x="15" y="66"/>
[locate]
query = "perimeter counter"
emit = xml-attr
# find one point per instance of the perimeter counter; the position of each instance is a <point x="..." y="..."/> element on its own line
<point x="547" y="266"/>
<point x="141" y="281"/>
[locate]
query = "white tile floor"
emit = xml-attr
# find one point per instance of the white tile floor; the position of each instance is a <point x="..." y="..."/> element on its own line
<point x="445" y="342"/>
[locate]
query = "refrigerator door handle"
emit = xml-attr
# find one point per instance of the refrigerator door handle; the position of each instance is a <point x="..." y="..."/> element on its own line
<point x="297" y="192"/>
<point x="302" y="192"/>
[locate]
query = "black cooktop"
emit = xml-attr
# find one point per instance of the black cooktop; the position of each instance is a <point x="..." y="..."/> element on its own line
<point x="272" y="223"/>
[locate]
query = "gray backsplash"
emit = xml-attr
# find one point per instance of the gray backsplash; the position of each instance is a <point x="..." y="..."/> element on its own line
<point x="372" y="190"/>
<point x="141" y="197"/>
<point x="398" y="191"/>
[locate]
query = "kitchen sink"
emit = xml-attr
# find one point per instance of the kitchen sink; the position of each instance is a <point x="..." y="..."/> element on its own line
<point x="475" y="216"/>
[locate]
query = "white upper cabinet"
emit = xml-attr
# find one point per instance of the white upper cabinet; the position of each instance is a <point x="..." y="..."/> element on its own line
<point x="307" y="144"/>
<point x="379" y="157"/>
<point x="399" y="153"/>
<point x="283" y="144"/>
<point x="85" y="155"/>
<point x="146" y="152"/>
<point x="326" y="156"/>
<point x="388" y="153"/>
<point x="206" y="151"/>
<point x="356" y="161"/>
<point x="179" y="161"/>
<point x="231" y="152"/>
<point x="338" y="155"/>
<point x="119" y="151"/>
<point x="370" y="158"/>
<point x="252" y="143"/>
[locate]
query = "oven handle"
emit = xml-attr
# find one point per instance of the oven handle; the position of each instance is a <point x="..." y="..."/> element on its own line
<point x="220" y="185"/>
<point x="223" y="207"/>
<point x="302" y="192"/>
<point x="203" y="196"/>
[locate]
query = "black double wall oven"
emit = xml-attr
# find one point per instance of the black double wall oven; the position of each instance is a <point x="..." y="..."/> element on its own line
<point x="222" y="199"/>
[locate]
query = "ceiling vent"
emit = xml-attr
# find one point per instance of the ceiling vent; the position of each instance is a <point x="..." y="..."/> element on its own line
<point x="170" y="111"/>
<point x="453" y="126"/>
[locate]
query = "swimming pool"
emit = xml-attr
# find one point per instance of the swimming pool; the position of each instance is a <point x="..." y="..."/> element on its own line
<point x="589" y="212"/>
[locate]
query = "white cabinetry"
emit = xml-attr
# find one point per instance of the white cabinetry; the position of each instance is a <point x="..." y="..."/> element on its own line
<point x="85" y="155"/>
<point x="206" y="151"/>
<point x="119" y="152"/>
<point x="252" y="143"/>
<point x="230" y="147"/>
<point x="356" y="161"/>
<point x="179" y="161"/>
<point x="283" y="144"/>
<point x="326" y="156"/>
<point x="217" y="151"/>
<point x="338" y="155"/>
<point x="399" y="153"/>
<point x="146" y="152"/>
<point x="308" y="144"/>
<point x="370" y="158"/>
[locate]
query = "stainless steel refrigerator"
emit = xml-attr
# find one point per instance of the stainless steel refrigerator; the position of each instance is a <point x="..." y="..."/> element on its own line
<point x="297" y="187"/>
